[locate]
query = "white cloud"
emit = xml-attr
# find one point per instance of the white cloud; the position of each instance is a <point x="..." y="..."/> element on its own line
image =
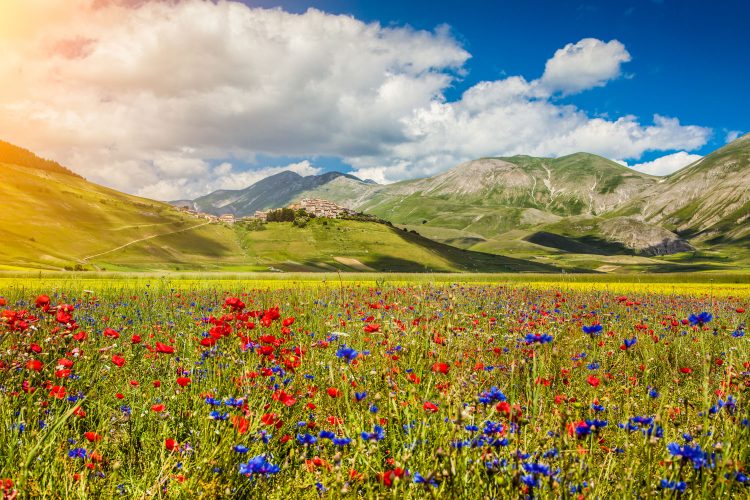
<point x="732" y="135"/>
<point x="668" y="164"/>
<point x="583" y="65"/>
<point x="146" y="96"/>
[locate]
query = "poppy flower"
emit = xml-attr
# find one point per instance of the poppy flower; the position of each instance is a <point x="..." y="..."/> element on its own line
<point x="92" y="436"/>
<point x="441" y="368"/>
<point x="34" y="365"/>
<point x="593" y="381"/>
<point x="333" y="392"/>
<point x="42" y="301"/>
<point x="283" y="397"/>
<point x="111" y="333"/>
<point x="171" y="445"/>
<point x="158" y="408"/>
<point x="430" y="407"/>
<point x="183" y="381"/>
<point x="118" y="360"/>
<point x="164" y="348"/>
<point x="57" y="391"/>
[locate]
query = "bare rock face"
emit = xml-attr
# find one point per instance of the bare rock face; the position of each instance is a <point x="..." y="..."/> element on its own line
<point x="644" y="238"/>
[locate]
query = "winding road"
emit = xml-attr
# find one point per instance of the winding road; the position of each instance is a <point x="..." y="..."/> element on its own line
<point x="85" y="259"/>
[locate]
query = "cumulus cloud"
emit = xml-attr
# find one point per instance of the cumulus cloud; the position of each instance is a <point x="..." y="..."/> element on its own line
<point x="668" y="164"/>
<point x="149" y="96"/>
<point x="583" y="65"/>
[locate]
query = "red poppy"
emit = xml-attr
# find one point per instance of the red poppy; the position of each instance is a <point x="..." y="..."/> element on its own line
<point x="171" y="445"/>
<point x="111" y="333"/>
<point x="390" y="476"/>
<point x="284" y="397"/>
<point x="333" y="392"/>
<point x="164" y="348"/>
<point x="34" y="364"/>
<point x="430" y="407"/>
<point x="686" y="370"/>
<point x="158" y="408"/>
<point x="503" y="407"/>
<point x="57" y="391"/>
<point x="441" y="368"/>
<point x="135" y="339"/>
<point x="183" y="381"/>
<point x="593" y="381"/>
<point x="118" y="360"/>
<point x="92" y="436"/>
<point x="42" y="301"/>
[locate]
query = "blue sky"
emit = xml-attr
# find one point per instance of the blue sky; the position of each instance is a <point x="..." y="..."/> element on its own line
<point x="175" y="99"/>
<point x="690" y="58"/>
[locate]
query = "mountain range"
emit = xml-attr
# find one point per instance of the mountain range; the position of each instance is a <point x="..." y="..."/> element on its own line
<point x="548" y="209"/>
<point x="579" y="212"/>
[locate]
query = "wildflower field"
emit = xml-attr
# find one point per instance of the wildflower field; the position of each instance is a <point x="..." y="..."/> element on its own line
<point x="368" y="389"/>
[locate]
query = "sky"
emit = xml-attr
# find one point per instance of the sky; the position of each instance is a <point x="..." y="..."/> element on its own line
<point x="172" y="99"/>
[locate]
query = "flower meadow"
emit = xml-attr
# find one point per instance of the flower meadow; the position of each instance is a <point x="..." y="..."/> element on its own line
<point x="412" y="390"/>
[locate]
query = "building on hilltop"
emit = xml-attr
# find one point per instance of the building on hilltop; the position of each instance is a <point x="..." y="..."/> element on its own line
<point x="322" y="208"/>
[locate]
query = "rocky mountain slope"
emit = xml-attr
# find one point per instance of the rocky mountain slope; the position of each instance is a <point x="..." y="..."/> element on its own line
<point x="708" y="200"/>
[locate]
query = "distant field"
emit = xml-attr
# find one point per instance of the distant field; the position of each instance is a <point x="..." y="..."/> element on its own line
<point x="724" y="284"/>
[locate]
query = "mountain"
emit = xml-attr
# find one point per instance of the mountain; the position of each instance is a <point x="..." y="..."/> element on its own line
<point x="492" y="195"/>
<point x="50" y="218"/>
<point x="708" y="200"/>
<point x="275" y="191"/>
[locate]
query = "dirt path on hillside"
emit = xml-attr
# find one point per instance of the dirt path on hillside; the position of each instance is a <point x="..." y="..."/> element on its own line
<point x="85" y="259"/>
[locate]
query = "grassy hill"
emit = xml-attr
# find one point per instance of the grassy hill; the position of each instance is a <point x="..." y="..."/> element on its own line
<point x="50" y="219"/>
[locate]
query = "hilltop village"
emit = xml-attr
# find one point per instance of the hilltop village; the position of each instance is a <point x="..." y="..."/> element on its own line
<point x="313" y="206"/>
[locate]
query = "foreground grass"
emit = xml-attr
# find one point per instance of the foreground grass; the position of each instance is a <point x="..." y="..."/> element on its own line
<point x="461" y="390"/>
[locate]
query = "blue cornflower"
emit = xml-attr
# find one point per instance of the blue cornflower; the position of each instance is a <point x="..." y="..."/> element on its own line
<point x="259" y="465"/>
<point x="347" y="353"/>
<point x="326" y="435"/>
<point x="239" y="448"/>
<point x="306" y="439"/>
<point x="494" y="394"/>
<point x="666" y="484"/>
<point x="341" y="441"/>
<point x="419" y="479"/>
<point x="700" y="319"/>
<point x="693" y="454"/>
<point x="377" y="434"/>
<point x="592" y="330"/>
<point x="78" y="453"/>
<point x="538" y="338"/>
<point x="628" y="343"/>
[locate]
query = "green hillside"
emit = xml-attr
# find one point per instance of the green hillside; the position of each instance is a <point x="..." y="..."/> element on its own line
<point x="54" y="220"/>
